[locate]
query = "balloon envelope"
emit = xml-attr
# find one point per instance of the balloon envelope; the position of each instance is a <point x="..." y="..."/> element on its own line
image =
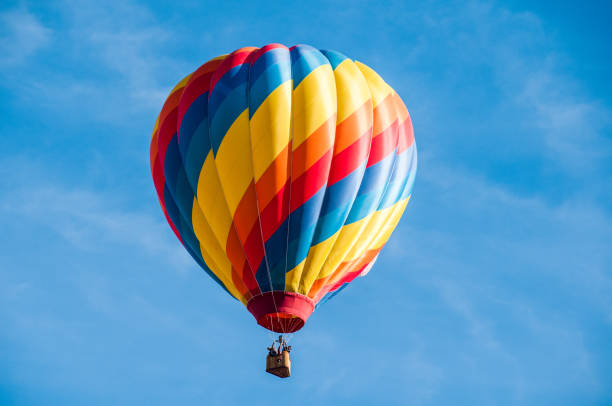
<point x="283" y="172"/>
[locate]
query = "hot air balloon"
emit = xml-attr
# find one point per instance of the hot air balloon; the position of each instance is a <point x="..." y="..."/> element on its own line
<point x="283" y="172"/>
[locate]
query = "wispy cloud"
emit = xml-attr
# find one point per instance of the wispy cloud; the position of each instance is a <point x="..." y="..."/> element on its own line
<point x="21" y="35"/>
<point x="109" y="63"/>
<point x="89" y="220"/>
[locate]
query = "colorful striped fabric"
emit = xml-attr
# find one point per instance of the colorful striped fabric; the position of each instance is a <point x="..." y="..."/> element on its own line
<point x="283" y="172"/>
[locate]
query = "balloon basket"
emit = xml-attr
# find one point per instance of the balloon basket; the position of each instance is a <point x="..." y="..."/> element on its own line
<point x="279" y="365"/>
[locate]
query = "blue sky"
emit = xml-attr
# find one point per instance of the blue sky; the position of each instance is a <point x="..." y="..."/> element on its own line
<point x="495" y="289"/>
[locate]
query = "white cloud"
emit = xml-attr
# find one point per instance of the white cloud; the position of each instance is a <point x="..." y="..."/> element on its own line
<point x="21" y="36"/>
<point x="90" y="220"/>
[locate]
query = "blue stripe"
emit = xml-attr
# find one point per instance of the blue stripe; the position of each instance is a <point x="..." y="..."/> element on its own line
<point x="334" y="58"/>
<point x="305" y="59"/>
<point x="339" y="199"/>
<point x="178" y="206"/>
<point x="330" y="295"/>
<point x="195" y="114"/>
<point x="397" y="181"/>
<point x="236" y="76"/>
<point x="268" y="81"/>
<point x="232" y="106"/>
<point x="411" y="177"/>
<point x="275" y="249"/>
<point x="194" y="141"/>
<point x="272" y="57"/>
<point x="372" y="188"/>
<point x="301" y="229"/>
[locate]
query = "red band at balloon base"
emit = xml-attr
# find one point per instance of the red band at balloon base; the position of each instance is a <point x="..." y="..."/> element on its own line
<point x="281" y="312"/>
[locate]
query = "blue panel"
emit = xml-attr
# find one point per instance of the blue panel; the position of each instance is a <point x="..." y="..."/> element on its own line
<point x="273" y="77"/>
<point x="194" y="116"/>
<point x="305" y="59"/>
<point x="334" y="58"/>
<point x="338" y="201"/>
<point x="302" y="225"/>
<point x="372" y="188"/>
<point x="232" y="106"/>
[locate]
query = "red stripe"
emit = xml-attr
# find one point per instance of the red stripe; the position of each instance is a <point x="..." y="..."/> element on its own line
<point x="348" y="278"/>
<point x="236" y="255"/>
<point x="159" y="181"/>
<point x="254" y="248"/>
<point x="198" y="84"/>
<point x="167" y="130"/>
<point x="273" y="215"/>
<point x="383" y="144"/>
<point x="350" y="158"/>
<point x="257" y="54"/>
<point x="406" y="136"/>
<point x="170" y="104"/>
<point x="236" y="58"/>
<point x="275" y="212"/>
<point x="309" y="183"/>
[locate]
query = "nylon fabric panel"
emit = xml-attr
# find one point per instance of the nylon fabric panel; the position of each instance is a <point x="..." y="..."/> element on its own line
<point x="373" y="183"/>
<point x="352" y="139"/>
<point x="314" y="122"/>
<point x="270" y="137"/>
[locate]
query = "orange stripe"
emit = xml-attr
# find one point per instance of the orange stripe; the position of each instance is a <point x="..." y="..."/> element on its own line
<point x="316" y="145"/>
<point x="235" y="254"/>
<point x="384" y="115"/>
<point x="171" y="103"/>
<point x="308" y="153"/>
<point x="246" y="213"/>
<point x="343" y="269"/>
<point x="275" y="175"/>
<point x="353" y="127"/>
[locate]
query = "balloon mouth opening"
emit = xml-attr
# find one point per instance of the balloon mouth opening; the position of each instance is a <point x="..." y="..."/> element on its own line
<point x="281" y="312"/>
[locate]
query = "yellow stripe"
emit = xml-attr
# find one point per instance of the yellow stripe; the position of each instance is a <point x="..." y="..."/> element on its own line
<point x="271" y="128"/>
<point x="378" y="88"/>
<point x="372" y="241"/>
<point x="180" y="84"/>
<point x="213" y="254"/>
<point x="378" y="230"/>
<point x="314" y="102"/>
<point x="317" y="256"/>
<point x="292" y="278"/>
<point x="349" y="234"/>
<point x="212" y="201"/>
<point x="233" y="161"/>
<point x="351" y="89"/>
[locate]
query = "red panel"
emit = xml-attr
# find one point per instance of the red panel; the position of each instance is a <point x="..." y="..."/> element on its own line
<point x="350" y="158"/>
<point x="383" y="144"/>
<point x="282" y="312"/>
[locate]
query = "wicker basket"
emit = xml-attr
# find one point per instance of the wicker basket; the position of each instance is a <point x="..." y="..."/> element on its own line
<point x="279" y="365"/>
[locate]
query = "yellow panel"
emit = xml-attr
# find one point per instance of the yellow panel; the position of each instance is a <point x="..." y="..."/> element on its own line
<point x="378" y="88"/>
<point x="212" y="201"/>
<point x="373" y="237"/>
<point x="349" y="234"/>
<point x="314" y="102"/>
<point x="385" y="233"/>
<point x="292" y="278"/>
<point x="213" y="254"/>
<point x="317" y="255"/>
<point x="379" y="228"/>
<point x="352" y="89"/>
<point x="233" y="161"/>
<point x="271" y="128"/>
